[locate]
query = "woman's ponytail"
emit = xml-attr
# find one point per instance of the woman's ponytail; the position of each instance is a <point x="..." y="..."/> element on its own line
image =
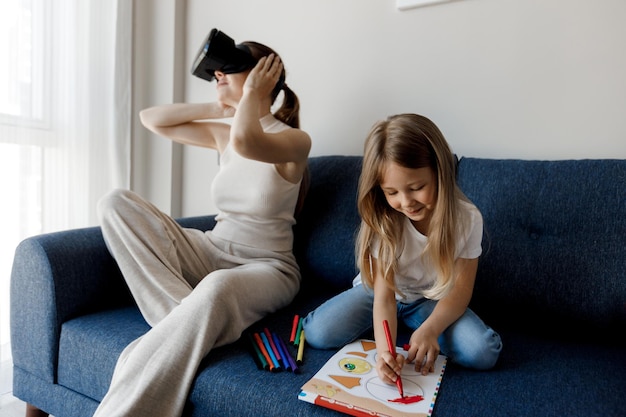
<point x="289" y="111"/>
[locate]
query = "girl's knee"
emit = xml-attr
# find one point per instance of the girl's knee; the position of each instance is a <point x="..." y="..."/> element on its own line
<point x="482" y="356"/>
<point x="322" y="333"/>
<point x="317" y="332"/>
<point x="326" y="327"/>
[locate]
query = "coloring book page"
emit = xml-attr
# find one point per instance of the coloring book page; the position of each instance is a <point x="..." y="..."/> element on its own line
<point x="348" y="383"/>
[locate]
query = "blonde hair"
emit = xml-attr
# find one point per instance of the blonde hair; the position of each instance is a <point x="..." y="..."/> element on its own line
<point x="411" y="141"/>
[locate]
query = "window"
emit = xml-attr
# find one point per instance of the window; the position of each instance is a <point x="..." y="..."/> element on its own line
<point x="23" y="84"/>
<point x="23" y="94"/>
<point x="65" y="89"/>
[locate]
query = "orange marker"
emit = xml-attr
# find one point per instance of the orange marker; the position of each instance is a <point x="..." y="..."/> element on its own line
<point x="264" y="351"/>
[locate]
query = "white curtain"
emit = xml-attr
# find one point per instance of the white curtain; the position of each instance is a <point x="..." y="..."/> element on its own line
<point x="65" y="103"/>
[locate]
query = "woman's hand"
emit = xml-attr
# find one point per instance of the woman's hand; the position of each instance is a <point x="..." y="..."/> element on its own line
<point x="264" y="76"/>
<point x="227" y="111"/>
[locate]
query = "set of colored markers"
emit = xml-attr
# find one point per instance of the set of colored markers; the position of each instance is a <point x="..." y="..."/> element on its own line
<point x="270" y="352"/>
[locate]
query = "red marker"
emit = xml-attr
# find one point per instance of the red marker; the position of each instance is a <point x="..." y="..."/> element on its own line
<point x="294" y="327"/>
<point x="392" y="349"/>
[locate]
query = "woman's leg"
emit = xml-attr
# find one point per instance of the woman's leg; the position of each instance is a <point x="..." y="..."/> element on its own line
<point x="340" y="320"/>
<point x="160" y="261"/>
<point x="154" y="375"/>
<point x="468" y="341"/>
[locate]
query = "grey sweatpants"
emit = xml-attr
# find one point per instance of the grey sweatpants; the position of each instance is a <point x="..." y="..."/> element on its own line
<point x="196" y="291"/>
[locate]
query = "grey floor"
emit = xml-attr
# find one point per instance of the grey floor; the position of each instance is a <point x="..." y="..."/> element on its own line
<point x="9" y="405"/>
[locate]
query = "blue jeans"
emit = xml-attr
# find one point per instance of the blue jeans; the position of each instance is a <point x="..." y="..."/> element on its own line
<point x="344" y="318"/>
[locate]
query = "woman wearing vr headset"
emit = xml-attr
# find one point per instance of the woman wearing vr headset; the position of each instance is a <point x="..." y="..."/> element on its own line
<point x="200" y="290"/>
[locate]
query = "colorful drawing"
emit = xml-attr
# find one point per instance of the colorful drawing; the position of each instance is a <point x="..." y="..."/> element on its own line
<point x="348" y="383"/>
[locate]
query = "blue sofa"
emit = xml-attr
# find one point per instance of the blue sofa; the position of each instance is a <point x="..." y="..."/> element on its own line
<point x="551" y="281"/>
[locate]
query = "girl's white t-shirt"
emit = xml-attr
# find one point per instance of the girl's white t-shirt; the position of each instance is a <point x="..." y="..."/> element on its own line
<point x="415" y="273"/>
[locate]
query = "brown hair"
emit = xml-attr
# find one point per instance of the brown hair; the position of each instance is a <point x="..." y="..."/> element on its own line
<point x="289" y="111"/>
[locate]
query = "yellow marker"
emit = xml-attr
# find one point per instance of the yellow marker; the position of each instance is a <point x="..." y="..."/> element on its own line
<point x="299" y="358"/>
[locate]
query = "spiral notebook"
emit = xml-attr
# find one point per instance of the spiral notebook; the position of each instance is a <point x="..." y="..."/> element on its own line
<point x="348" y="383"/>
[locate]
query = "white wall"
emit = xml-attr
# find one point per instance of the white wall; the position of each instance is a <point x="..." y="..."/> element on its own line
<point x="529" y="79"/>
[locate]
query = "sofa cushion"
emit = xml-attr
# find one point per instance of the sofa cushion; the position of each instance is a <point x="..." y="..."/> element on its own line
<point x="90" y="345"/>
<point x="230" y="385"/>
<point x="553" y="247"/>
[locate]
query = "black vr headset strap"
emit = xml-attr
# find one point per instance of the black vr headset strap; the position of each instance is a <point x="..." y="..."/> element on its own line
<point x="219" y="53"/>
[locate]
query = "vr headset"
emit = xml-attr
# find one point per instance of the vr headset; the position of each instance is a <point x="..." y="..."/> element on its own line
<point x="219" y="53"/>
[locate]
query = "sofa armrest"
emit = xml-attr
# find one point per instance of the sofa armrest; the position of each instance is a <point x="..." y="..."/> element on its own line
<point x="59" y="276"/>
<point x="55" y="277"/>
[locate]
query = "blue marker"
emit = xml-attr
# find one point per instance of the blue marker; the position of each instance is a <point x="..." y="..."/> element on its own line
<point x="268" y="346"/>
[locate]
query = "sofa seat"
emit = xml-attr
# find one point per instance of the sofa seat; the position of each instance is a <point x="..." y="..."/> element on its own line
<point x="522" y="384"/>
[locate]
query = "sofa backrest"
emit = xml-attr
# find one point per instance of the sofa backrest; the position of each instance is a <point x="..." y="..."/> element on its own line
<point x="554" y="249"/>
<point x="326" y="227"/>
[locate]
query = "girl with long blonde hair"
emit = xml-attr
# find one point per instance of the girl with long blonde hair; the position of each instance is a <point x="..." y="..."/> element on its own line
<point x="417" y="251"/>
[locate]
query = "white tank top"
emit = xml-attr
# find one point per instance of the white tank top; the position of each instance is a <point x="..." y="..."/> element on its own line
<point x="255" y="203"/>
